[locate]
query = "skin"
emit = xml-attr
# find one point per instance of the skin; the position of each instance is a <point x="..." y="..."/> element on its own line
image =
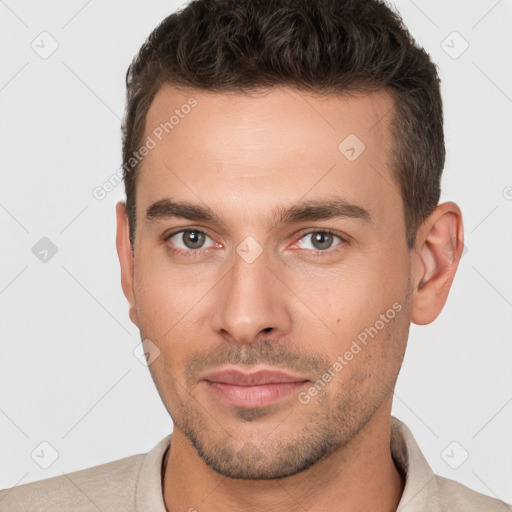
<point x="242" y="156"/>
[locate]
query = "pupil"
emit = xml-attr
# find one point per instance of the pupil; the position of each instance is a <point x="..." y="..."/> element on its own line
<point x="326" y="237"/>
<point x="194" y="239"/>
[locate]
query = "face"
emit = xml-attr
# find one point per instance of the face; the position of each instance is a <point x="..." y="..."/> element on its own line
<point x="270" y="237"/>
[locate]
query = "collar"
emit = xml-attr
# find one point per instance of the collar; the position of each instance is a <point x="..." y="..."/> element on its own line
<point x="419" y="495"/>
<point x="420" y="491"/>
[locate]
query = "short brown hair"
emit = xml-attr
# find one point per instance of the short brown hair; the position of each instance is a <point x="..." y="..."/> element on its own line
<point x="319" y="46"/>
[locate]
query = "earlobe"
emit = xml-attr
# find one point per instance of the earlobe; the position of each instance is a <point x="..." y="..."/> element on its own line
<point x="125" y="255"/>
<point x="439" y="248"/>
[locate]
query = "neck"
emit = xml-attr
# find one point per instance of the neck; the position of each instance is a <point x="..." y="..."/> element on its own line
<point x="359" y="476"/>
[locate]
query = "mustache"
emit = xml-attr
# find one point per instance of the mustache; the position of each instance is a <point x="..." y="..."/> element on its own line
<point x="267" y="352"/>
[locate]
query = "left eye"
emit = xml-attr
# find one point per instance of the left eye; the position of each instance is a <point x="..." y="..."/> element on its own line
<point x="319" y="240"/>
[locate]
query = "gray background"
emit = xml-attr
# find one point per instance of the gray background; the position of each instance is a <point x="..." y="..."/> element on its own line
<point x="68" y="374"/>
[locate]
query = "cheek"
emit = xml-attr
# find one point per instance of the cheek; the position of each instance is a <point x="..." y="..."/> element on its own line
<point x="171" y="303"/>
<point x="344" y="306"/>
<point x="350" y="293"/>
<point x="166" y="295"/>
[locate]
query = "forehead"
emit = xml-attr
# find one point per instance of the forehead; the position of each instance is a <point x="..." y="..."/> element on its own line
<point x="233" y="150"/>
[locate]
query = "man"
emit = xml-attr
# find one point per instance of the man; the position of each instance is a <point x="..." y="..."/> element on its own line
<point x="282" y="165"/>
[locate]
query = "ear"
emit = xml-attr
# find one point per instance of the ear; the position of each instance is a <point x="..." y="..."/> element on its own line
<point x="125" y="255"/>
<point x="438" y="249"/>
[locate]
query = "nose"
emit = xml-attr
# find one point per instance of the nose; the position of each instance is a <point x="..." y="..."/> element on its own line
<point x="251" y="300"/>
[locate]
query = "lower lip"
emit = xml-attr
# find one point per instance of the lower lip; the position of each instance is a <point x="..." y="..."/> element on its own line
<point x="253" y="396"/>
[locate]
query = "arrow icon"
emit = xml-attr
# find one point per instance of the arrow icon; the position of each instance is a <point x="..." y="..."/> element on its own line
<point x="44" y="44"/>
<point x="454" y="45"/>
<point x="44" y="250"/>
<point x="351" y="147"/>
<point x="44" y="455"/>
<point x="147" y="350"/>
<point x="249" y="249"/>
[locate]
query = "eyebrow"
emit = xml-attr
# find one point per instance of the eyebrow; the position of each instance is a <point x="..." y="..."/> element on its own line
<point x="310" y="210"/>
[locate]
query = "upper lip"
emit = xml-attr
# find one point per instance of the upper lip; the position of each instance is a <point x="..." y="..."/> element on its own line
<point x="256" y="378"/>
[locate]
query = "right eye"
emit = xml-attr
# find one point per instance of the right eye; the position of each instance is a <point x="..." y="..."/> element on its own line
<point x="188" y="241"/>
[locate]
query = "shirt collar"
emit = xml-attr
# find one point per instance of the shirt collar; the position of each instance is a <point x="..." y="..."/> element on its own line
<point x="149" y="491"/>
<point x="419" y="493"/>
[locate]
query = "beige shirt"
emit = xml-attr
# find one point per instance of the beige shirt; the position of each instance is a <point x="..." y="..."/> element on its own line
<point x="134" y="484"/>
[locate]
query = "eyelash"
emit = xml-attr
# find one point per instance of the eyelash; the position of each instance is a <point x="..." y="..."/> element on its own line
<point x="191" y="253"/>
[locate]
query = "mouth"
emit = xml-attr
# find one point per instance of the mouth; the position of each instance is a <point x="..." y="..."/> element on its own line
<point x="252" y="390"/>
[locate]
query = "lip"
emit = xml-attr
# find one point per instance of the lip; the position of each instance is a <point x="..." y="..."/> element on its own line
<point x="256" y="389"/>
<point x="262" y="376"/>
